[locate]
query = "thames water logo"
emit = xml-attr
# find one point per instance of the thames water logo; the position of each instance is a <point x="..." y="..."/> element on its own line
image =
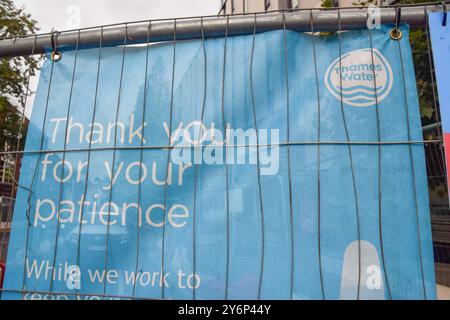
<point x="359" y="75"/>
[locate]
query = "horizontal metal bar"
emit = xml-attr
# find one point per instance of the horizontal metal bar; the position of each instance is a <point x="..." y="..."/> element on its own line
<point x="431" y="127"/>
<point x="323" y="20"/>
<point x="261" y="145"/>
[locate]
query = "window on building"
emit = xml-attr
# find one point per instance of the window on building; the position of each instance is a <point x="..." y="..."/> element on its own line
<point x="294" y="4"/>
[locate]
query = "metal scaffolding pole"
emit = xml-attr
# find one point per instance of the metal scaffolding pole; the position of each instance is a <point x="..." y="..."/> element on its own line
<point x="214" y="26"/>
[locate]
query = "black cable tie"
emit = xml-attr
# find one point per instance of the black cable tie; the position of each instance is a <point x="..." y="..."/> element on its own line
<point x="444" y="11"/>
<point x="398" y="18"/>
<point x="54" y="39"/>
<point x="55" y="55"/>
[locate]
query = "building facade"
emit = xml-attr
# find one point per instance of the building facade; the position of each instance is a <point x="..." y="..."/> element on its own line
<point x="251" y="6"/>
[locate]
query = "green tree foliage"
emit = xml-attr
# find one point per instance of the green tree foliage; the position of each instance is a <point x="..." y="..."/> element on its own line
<point x="419" y="45"/>
<point x="14" y="72"/>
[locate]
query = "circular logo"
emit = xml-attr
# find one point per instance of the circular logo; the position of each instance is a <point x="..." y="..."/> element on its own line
<point x="353" y="77"/>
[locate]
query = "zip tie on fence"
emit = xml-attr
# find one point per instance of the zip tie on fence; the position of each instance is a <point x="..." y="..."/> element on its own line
<point x="444" y="11"/>
<point x="396" y="34"/>
<point x="56" y="55"/>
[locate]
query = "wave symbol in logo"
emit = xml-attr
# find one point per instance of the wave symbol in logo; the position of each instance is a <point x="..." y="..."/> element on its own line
<point x="359" y="75"/>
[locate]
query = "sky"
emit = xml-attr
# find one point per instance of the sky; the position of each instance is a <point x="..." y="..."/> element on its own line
<point x="72" y="14"/>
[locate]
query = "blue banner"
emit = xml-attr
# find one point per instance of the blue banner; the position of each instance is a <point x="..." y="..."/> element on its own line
<point x="160" y="207"/>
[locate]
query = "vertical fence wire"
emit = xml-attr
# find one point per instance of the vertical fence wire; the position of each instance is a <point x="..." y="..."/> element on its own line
<point x="411" y="157"/>
<point x="196" y="169"/>
<point x="97" y="80"/>
<point x="379" y="190"/>
<point x="141" y="159"/>
<point x="350" y="155"/>
<point x="119" y="101"/>
<point x="258" y="171"/>
<point x="61" y="184"/>
<point x="168" y="160"/>
<point x="319" y="249"/>
<point x="224" y="123"/>
<point x="288" y="134"/>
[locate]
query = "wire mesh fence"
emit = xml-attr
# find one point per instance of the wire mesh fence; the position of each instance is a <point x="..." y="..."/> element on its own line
<point x="153" y="32"/>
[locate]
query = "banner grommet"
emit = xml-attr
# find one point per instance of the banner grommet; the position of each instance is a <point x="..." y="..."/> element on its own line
<point x="56" y="56"/>
<point x="396" y="34"/>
